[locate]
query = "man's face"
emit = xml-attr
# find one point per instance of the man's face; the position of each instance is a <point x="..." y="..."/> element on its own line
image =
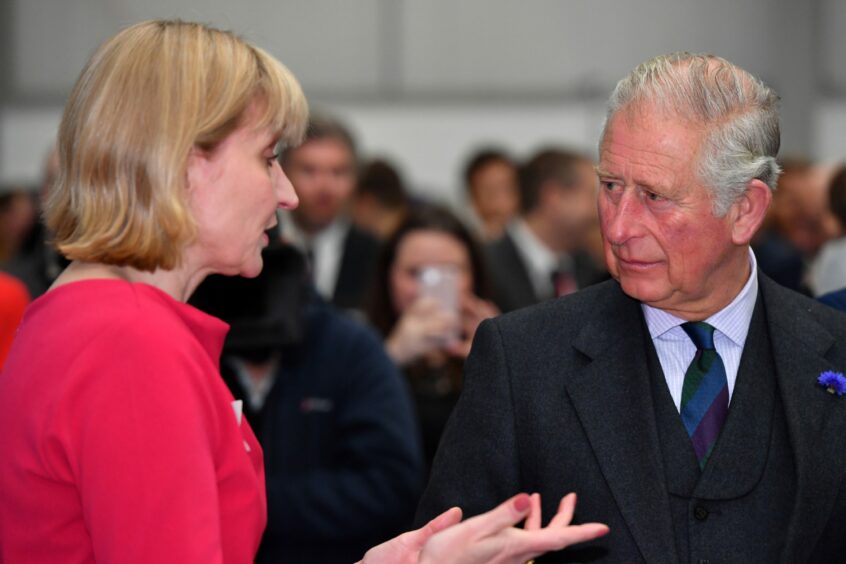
<point x="323" y="173"/>
<point x="661" y="239"/>
<point x="800" y="209"/>
<point x="574" y="207"/>
<point x="495" y="193"/>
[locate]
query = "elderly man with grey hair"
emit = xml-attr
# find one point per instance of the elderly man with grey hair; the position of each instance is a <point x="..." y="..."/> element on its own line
<point x="692" y="403"/>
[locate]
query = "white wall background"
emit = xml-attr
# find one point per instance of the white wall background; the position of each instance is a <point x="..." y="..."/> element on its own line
<point x="425" y="81"/>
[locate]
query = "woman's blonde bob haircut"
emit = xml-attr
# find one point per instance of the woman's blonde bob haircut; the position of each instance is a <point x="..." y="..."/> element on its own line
<point x="147" y="97"/>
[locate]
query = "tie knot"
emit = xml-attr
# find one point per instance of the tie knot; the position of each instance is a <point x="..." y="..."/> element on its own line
<point x="700" y="333"/>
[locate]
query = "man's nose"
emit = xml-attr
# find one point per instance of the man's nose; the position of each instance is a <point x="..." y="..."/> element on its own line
<point x="624" y="218"/>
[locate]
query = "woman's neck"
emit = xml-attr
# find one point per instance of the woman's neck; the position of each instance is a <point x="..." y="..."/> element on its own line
<point x="179" y="283"/>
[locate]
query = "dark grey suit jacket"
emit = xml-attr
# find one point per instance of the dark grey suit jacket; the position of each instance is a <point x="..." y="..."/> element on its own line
<point x="558" y="398"/>
<point x="357" y="270"/>
<point x="513" y="288"/>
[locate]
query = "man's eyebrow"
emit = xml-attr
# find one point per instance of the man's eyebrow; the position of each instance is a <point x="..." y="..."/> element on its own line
<point x="601" y="172"/>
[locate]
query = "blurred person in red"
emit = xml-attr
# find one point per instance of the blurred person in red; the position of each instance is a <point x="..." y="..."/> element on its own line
<point x="13" y="301"/>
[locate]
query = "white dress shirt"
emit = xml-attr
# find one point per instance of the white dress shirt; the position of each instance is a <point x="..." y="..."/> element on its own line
<point x="326" y="247"/>
<point x="828" y="271"/>
<point x="539" y="259"/>
<point x="256" y="389"/>
<point x="676" y="350"/>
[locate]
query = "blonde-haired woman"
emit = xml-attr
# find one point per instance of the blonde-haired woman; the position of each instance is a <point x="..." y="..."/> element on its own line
<point x="120" y="441"/>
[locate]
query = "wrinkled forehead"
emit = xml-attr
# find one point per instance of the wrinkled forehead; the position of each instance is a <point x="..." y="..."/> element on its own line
<point x="653" y="129"/>
<point x="650" y="150"/>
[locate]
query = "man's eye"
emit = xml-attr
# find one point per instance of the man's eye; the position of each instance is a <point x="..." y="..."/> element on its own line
<point x="608" y="185"/>
<point x="653" y="197"/>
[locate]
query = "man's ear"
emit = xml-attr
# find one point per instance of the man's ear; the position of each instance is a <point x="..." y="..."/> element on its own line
<point x="749" y="210"/>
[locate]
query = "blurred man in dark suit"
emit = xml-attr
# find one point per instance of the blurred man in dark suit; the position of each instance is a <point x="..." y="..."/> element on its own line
<point x="541" y="254"/>
<point x="323" y="170"/>
<point x="683" y="399"/>
<point x="342" y="451"/>
<point x="490" y="178"/>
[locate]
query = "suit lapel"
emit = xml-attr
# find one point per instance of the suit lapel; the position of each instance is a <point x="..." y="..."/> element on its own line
<point x="522" y="289"/>
<point x="612" y="397"/>
<point x="816" y="420"/>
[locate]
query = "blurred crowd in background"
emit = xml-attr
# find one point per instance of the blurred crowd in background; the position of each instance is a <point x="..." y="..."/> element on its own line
<point x="348" y="349"/>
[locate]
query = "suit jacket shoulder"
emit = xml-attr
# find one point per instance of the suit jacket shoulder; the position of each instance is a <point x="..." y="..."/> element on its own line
<point x="358" y="265"/>
<point x="563" y="319"/>
<point x="512" y="285"/>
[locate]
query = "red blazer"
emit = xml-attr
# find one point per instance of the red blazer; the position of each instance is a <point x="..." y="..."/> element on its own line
<point x="119" y="438"/>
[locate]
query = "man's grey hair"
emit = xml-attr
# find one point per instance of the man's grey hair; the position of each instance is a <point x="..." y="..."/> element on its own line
<point x="739" y="111"/>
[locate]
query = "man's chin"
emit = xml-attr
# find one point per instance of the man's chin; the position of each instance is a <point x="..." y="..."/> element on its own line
<point x="644" y="291"/>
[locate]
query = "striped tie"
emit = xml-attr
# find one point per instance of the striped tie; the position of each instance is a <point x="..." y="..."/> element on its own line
<point x="704" y="403"/>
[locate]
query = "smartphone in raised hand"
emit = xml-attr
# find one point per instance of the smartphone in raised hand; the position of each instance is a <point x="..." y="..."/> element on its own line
<point x="440" y="283"/>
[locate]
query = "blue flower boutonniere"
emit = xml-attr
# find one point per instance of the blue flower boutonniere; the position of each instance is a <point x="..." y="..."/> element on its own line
<point x="833" y="382"/>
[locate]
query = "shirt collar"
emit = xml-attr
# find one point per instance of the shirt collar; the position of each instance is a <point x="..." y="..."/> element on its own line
<point x="732" y="321"/>
<point x="539" y="256"/>
<point x="295" y="236"/>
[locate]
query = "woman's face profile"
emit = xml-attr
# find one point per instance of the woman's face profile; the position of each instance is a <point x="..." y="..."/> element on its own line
<point x="234" y="191"/>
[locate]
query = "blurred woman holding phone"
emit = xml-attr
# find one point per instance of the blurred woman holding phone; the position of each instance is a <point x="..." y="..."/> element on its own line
<point x="430" y="294"/>
<point x="121" y="442"/>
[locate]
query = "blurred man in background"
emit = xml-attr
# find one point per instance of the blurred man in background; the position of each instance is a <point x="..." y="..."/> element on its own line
<point x="541" y="255"/>
<point x="490" y="178"/>
<point x="28" y="254"/>
<point x="323" y="170"/>
<point x="380" y="201"/>
<point x="18" y="216"/>
<point x="828" y="271"/>
<point x="342" y="452"/>
<point x="798" y="223"/>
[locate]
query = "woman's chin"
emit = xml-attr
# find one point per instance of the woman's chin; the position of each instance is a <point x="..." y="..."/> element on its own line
<point x="252" y="270"/>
